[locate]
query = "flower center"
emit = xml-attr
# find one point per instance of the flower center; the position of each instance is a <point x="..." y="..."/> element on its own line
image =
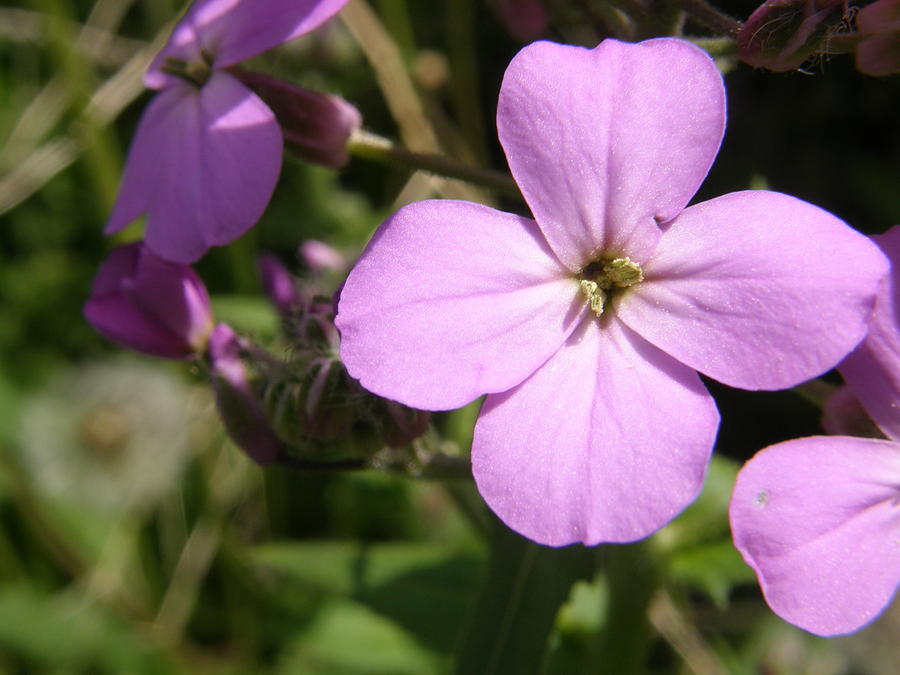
<point x="603" y="277"/>
<point x="192" y="72"/>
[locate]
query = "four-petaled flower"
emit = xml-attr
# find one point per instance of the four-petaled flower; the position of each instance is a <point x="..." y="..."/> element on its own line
<point x="586" y="325"/>
<point x="207" y="152"/>
<point x="819" y="518"/>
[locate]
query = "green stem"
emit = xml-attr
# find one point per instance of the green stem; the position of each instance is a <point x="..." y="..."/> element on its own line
<point x="717" y="47"/>
<point x="464" y="85"/>
<point x="633" y="577"/>
<point x="815" y="391"/>
<point x="379" y="149"/>
<point x="395" y="15"/>
<point x="470" y="505"/>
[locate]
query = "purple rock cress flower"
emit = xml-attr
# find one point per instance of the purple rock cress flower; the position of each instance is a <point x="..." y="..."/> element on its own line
<point x="586" y="326"/>
<point x="151" y="305"/>
<point x="207" y="152"/>
<point x="818" y="518"/>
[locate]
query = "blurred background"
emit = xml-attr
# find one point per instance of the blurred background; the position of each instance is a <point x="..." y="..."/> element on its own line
<point x="135" y="538"/>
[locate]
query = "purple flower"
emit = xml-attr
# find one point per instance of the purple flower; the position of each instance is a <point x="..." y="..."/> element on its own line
<point x="320" y="257"/>
<point x="586" y="326"/>
<point x="279" y="285"/>
<point x="819" y="518"/>
<point x="151" y="305"/>
<point x="315" y="126"/>
<point x="207" y="152"/>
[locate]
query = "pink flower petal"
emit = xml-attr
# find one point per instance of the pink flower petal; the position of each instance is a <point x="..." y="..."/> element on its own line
<point x="231" y="31"/>
<point x="452" y="300"/>
<point x="873" y="370"/>
<point x="606" y="442"/>
<point x="203" y="165"/>
<point x="605" y="143"/>
<point x="757" y="290"/>
<point x="819" y="521"/>
<point x="150" y="305"/>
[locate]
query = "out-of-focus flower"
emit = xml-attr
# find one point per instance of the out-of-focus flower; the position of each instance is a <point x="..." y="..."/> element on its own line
<point x="207" y="153"/>
<point x="873" y="370"/>
<point x="239" y="405"/>
<point x="319" y="256"/>
<point x="526" y="20"/>
<point x="878" y="51"/>
<point x="315" y="126"/>
<point x="151" y="305"/>
<point x="819" y="518"/>
<point x="279" y="285"/>
<point x="111" y="435"/>
<point x="781" y="35"/>
<point x="586" y="326"/>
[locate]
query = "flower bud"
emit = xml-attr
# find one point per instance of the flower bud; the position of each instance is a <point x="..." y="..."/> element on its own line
<point x="402" y="425"/>
<point x="526" y="20"/>
<point x="878" y="51"/>
<point x="314" y="327"/>
<point x="781" y="34"/>
<point x="150" y="305"/>
<point x="329" y="401"/>
<point x="320" y="257"/>
<point x="316" y="126"/>
<point x="279" y="285"/>
<point x="242" y="412"/>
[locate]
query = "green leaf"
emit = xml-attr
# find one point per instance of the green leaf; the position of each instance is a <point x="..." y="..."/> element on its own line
<point x="348" y="639"/>
<point x="66" y="632"/>
<point x="712" y="569"/>
<point x="402" y="581"/>
<point x="706" y="519"/>
<point x="248" y="314"/>
<point x="525" y="586"/>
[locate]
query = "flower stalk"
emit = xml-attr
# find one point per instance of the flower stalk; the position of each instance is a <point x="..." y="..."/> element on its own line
<point x="373" y="147"/>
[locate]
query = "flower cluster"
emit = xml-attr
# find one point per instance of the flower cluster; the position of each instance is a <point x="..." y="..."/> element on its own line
<point x="586" y="324"/>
